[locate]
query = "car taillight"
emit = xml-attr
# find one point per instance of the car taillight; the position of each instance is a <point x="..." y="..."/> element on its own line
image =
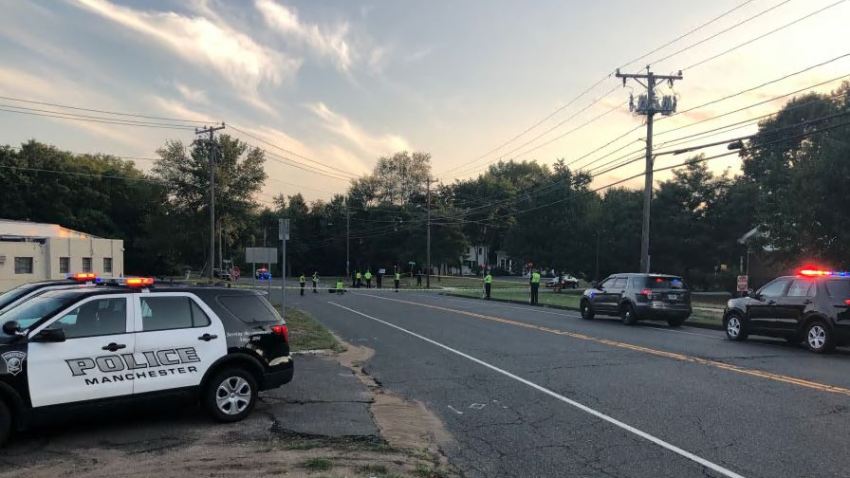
<point x="281" y="330"/>
<point x="647" y="293"/>
<point x="847" y="302"/>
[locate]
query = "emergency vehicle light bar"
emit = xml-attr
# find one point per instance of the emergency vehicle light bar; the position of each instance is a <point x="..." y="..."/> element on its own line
<point x="84" y="277"/>
<point x="819" y="273"/>
<point x="138" y="281"/>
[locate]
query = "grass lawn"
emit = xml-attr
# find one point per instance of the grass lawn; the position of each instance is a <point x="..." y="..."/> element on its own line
<point x="305" y="333"/>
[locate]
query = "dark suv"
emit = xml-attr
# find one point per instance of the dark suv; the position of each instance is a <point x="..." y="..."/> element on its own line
<point x="813" y="306"/>
<point x="636" y="297"/>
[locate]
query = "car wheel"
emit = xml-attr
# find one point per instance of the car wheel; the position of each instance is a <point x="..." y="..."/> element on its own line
<point x="819" y="337"/>
<point x="627" y="313"/>
<point x="735" y="328"/>
<point x="231" y="395"/>
<point x="586" y="310"/>
<point x="5" y="422"/>
<point x="677" y="322"/>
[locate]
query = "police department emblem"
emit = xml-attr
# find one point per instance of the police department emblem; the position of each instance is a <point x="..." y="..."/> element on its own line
<point x="14" y="361"/>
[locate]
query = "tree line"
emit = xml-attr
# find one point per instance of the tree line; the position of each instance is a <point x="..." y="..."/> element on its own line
<point x="791" y="186"/>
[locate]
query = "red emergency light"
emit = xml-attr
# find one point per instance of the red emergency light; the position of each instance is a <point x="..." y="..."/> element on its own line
<point x="83" y="277"/>
<point x="138" y="281"/>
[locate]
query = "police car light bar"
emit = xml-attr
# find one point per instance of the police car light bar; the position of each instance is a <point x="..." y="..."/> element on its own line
<point x="820" y="273"/>
<point x="138" y="281"/>
<point x="84" y="277"/>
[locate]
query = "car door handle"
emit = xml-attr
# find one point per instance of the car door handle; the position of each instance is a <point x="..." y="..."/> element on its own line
<point x="207" y="337"/>
<point x="113" y="347"/>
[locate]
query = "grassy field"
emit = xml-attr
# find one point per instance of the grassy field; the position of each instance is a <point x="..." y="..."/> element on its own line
<point x="307" y="334"/>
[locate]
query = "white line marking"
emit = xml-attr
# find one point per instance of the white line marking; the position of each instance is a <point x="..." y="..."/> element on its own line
<point x="669" y="446"/>
<point x="455" y="410"/>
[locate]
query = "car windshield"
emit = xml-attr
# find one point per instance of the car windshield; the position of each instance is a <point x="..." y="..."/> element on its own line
<point x="14" y="294"/>
<point x="661" y="282"/>
<point x="31" y="311"/>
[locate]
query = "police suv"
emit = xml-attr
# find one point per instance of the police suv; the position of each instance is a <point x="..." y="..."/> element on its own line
<point x="95" y="345"/>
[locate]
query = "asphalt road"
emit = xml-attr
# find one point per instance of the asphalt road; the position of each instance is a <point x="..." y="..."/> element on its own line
<point x="534" y="392"/>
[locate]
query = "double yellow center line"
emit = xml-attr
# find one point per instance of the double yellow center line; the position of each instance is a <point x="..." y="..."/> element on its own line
<point x="638" y="348"/>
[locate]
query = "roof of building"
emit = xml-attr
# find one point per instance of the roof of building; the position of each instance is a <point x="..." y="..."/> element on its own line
<point x="25" y="229"/>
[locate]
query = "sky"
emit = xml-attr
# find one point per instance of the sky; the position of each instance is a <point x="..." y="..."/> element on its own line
<point x="338" y="84"/>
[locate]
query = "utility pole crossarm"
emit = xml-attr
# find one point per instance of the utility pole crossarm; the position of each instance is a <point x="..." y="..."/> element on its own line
<point x="646" y="76"/>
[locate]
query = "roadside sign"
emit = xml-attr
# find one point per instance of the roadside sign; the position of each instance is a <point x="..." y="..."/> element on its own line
<point x="261" y="255"/>
<point x="283" y="230"/>
<point x="743" y="283"/>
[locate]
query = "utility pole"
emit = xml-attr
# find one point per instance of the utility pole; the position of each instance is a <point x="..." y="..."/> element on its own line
<point x="428" y="241"/>
<point x="648" y="105"/>
<point x="210" y="130"/>
<point x="347" y="238"/>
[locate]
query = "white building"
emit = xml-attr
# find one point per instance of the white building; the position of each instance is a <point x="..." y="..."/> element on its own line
<point x="31" y="251"/>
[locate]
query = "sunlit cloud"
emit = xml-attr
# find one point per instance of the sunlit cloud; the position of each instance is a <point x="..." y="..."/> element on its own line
<point x="374" y="145"/>
<point x="240" y="60"/>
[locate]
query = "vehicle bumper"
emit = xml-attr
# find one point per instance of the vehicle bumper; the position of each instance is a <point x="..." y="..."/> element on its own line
<point x="278" y="375"/>
<point x="665" y="311"/>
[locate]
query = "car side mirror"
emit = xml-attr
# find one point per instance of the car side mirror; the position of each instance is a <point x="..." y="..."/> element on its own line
<point x="49" y="335"/>
<point x="11" y="328"/>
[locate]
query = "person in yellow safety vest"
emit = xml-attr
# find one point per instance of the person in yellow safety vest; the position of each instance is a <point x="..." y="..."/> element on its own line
<point x="397" y="280"/>
<point x="302" y="280"/>
<point x="535" y="286"/>
<point x="368" y="277"/>
<point x="359" y="279"/>
<point x="340" y="286"/>
<point x="315" y="282"/>
<point x="488" y="283"/>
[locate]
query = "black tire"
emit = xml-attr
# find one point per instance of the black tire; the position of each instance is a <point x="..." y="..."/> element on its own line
<point x="627" y="314"/>
<point x="237" y="401"/>
<point x="586" y="310"/>
<point x="735" y="327"/>
<point x="819" y="337"/>
<point x="676" y="322"/>
<point x="5" y="422"/>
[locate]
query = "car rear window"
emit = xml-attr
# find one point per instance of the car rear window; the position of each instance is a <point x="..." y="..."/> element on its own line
<point x="249" y="308"/>
<point x="655" y="282"/>
<point x="840" y="289"/>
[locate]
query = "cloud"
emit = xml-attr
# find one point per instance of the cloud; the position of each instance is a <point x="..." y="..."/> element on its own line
<point x="368" y="143"/>
<point x="331" y="44"/>
<point x="239" y="59"/>
<point x="191" y="94"/>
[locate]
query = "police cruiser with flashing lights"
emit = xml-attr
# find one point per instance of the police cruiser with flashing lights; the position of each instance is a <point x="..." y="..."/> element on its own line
<point x="129" y="340"/>
<point x="812" y="306"/>
<point x="23" y="292"/>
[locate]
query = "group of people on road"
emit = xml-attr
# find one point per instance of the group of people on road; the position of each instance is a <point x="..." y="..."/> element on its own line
<point x="357" y="281"/>
<point x="302" y="281"/>
<point x="533" y="281"/>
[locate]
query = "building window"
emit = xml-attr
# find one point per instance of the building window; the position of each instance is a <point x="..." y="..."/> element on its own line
<point x="23" y="265"/>
<point x="64" y="265"/>
<point x="107" y="265"/>
<point x="86" y="264"/>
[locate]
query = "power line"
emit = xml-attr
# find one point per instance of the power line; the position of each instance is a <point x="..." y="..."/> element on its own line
<point x="347" y="173"/>
<point x="763" y="35"/>
<point x="721" y="32"/>
<point x="69" y="116"/>
<point x="135" y="115"/>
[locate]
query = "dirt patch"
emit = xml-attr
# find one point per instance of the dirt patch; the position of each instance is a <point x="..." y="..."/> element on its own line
<point x="404" y="424"/>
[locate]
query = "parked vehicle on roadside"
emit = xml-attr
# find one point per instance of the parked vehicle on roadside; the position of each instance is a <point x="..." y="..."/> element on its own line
<point x="635" y="297"/>
<point x="563" y="281"/>
<point x="811" y="307"/>
<point x="130" y="341"/>
<point x="13" y="297"/>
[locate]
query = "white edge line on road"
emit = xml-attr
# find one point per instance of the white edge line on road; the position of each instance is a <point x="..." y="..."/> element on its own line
<point x="669" y="446"/>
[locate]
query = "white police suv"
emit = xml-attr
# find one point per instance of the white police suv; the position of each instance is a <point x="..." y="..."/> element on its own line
<point x="130" y="340"/>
